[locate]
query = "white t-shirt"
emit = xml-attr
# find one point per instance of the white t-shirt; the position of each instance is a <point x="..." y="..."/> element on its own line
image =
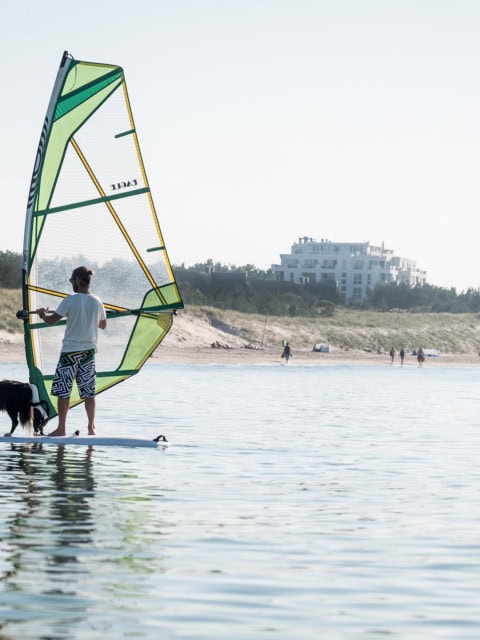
<point x="83" y="312"/>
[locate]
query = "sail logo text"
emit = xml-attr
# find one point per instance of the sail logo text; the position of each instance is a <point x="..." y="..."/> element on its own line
<point x="124" y="185"/>
<point x="38" y="163"/>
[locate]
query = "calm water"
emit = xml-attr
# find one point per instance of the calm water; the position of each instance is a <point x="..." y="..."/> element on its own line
<point x="328" y="502"/>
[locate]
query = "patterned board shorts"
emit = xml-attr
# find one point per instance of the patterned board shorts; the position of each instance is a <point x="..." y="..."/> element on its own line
<point x="79" y="366"/>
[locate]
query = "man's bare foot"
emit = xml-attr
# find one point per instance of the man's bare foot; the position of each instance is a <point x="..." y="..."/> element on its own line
<point x="58" y="433"/>
<point x="91" y="431"/>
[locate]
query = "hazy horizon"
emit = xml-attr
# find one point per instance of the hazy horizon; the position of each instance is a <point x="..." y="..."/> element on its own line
<point x="260" y="122"/>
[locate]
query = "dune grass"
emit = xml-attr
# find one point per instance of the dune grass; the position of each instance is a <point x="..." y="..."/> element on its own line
<point x="346" y="329"/>
<point x="11" y="303"/>
<point x="359" y="330"/>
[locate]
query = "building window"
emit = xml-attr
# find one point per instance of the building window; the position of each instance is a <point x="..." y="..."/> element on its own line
<point x="329" y="264"/>
<point x="357" y="278"/>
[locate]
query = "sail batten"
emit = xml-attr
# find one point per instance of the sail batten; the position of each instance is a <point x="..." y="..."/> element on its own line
<point x="90" y="203"/>
<point x="125" y="133"/>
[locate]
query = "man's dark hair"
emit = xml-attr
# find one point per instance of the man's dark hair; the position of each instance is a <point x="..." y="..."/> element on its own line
<point x="83" y="274"/>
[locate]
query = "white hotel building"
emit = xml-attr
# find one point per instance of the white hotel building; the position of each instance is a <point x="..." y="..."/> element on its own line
<point x="352" y="267"/>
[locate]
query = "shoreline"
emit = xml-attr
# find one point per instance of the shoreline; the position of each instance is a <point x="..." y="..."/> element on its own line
<point x="245" y="356"/>
<point x="12" y="351"/>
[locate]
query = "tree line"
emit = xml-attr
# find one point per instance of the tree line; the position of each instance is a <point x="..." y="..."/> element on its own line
<point x="314" y="299"/>
<point x="251" y="290"/>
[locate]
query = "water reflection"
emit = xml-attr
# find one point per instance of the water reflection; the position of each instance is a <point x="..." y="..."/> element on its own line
<point x="48" y="494"/>
<point x="53" y="490"/>
<point x="72" y="477"/>
<point x="79" y="534"/>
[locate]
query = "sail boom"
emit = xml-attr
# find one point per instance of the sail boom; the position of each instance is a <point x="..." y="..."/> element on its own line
<point x="166" y="308"/>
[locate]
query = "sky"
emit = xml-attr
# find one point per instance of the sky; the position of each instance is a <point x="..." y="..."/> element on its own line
<point x="262" y="121"/>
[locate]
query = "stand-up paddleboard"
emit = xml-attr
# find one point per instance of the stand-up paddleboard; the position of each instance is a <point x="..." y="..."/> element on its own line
<point x="94" y="441"/>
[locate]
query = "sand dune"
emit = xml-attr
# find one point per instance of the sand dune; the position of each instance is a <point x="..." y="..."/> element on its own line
<point x="198" y="338"/>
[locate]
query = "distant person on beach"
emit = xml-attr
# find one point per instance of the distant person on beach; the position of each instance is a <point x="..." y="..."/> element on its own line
<point x="286" y="353"/>
<point x="420" y="357"/>
<point x="402" y="355"/>
<point x="392" y="354"/>
<point x="85" y="314"/>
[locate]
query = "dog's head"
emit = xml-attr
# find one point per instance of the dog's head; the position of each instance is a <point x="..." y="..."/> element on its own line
<point x="40" y="411"/>
<point x="39" y="420"/>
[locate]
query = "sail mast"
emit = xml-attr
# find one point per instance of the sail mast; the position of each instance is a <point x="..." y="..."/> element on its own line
<point x="47" y="126"/>
<point x="34" y="376"/>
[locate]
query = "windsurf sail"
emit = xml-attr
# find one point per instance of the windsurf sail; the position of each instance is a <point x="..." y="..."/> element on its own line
<point x="90" y="204"/>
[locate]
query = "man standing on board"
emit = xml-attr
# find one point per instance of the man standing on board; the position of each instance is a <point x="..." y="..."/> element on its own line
<point x="85" y="314"/>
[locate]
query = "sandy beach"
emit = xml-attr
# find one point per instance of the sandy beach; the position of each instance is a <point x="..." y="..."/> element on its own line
<point x="192" y="340"/>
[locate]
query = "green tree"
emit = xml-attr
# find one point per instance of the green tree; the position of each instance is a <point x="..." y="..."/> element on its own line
<point x="10" y="270"/>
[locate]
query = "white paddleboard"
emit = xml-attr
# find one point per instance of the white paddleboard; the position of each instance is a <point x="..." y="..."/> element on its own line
<point x="99" y="441"/>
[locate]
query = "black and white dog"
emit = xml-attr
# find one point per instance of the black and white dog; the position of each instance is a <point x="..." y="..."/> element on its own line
<point x="20" y="400"/>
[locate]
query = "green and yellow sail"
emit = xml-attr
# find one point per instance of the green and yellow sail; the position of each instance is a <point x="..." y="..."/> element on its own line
<point x="90" y="204"/>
